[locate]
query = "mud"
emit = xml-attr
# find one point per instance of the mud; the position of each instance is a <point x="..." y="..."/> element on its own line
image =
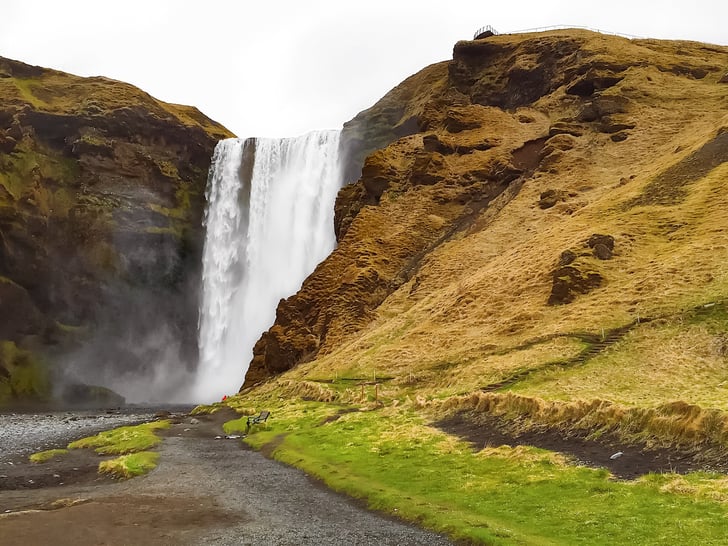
<point x="636" y="459"/>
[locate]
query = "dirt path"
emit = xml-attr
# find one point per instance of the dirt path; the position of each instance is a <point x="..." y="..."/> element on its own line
<point x="635" y="459"/>
<point x="204" y="491"/>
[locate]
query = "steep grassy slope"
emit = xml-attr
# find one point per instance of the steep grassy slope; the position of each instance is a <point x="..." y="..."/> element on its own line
<point x="539" y="258"/>
<point x="101" y="197"/>
<point x="472" y="236"/>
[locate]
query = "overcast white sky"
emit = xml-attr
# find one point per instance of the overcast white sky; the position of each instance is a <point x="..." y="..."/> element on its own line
<point x="284" y="67"/>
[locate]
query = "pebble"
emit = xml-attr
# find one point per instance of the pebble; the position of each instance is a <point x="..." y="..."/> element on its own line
<point x="24" y="433"/>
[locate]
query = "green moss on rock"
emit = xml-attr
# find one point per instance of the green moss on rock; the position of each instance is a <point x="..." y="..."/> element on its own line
<point x="23" y="375"/>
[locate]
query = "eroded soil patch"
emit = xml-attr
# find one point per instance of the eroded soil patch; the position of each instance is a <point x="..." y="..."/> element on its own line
<point x="636" y="459"/>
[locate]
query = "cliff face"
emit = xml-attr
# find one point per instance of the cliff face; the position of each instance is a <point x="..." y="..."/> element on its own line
<point x="528" y="186"/>
<point x="101" y="199"/>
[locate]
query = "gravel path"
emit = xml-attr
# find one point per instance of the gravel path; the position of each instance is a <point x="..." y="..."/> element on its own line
<point x="204" y="491"/>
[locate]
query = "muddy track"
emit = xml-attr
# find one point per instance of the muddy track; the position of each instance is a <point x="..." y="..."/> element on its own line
<point x="637" y="459"/>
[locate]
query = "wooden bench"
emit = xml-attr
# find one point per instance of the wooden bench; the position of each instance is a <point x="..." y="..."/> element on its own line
<point x="257" y="419"/>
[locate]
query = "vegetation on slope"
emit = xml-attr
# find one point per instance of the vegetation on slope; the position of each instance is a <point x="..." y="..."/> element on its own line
<point x="101" y="199"/>
<point x="23" y="376"/>
<point x="539" y="257"/>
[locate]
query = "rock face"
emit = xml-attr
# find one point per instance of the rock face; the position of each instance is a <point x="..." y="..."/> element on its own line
<point x="101" y="198"/>
<point x="471" y="178"/>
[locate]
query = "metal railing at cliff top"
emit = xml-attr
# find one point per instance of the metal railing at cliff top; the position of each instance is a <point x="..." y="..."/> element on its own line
<point x="483" y="30"/>
<point x="488" y="28"/>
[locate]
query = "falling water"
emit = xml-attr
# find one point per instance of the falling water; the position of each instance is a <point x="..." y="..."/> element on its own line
<point x="269" y="220"/>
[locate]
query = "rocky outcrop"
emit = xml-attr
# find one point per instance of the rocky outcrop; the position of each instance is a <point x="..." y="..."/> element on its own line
<point x="445" y="155"/>
<point x="101" y="200"/>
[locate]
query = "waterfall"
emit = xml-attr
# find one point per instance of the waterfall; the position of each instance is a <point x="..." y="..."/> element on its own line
<point x="269" y="222"/>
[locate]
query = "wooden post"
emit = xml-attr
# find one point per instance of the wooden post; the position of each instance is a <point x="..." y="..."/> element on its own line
<point x="362" y="391"/>
<point x="376" y="393"/>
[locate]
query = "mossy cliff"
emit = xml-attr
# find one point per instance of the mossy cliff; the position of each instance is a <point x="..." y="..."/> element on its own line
<point x="534" y="185"/>
<point x="101" y="198"/>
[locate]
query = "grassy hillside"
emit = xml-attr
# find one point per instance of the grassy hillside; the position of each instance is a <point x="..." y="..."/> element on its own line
<point x="538" y="261"/>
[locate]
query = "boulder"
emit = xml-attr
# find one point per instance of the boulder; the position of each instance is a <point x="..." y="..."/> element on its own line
<point x="566" y="257"/>
<point x="80" y="395"/>
<point x="599" y="239"/>
<point x="601" y="251"/>
<point x="549" y="198"/>
<point x="569" y="281"/>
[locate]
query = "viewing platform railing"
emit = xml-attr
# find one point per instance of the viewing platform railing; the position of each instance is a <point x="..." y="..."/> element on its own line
<point x="486" y="29"/>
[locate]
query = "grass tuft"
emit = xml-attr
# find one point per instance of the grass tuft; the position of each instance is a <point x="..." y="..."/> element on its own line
<point x="45" y="456"/>
<point x="123" y="440"/>
<point x="131" y="465"/>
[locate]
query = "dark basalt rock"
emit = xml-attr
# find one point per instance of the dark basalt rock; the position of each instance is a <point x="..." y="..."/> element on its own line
<point x="569" y="282"/>
<point x="549" y="198"/>
<point x="603" y="252"/>
<point x="566" y="257"/>
<point x="80" y="395"/>
<point x="599" y="239"/>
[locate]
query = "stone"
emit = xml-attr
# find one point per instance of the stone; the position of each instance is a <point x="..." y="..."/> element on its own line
<point x="7" y="144"/>
<point x="560" y="142"/>
<point x="568" y="282"/>
<point x="615" y="124"/>
<point x="588" y="113"/>
<point x="611" y="104"/>
<point x="601" y="251"/>
<point x="433" y="144"/>
<point x="549" y="198"/>
<point x="592" y="82"/>
<point x="599" y="239"/>
<point x="81" y="395"/>
<point x="566" y="257"/>
<point x="565" y="128"/>
<point x="458" y="121"/>
<point x="427" y="169"/>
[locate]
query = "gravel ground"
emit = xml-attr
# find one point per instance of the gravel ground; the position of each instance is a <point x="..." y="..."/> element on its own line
<point x="204" y="491"/>
<point x="24" y="433"/>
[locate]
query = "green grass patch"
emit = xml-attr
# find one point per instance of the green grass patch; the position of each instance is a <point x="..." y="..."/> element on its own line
<point x="123" y="440"/>
<point x="25" y="88"/>
<point x="26" y="375"/>
<point x="45" y="456"/>
<point x="131" y="465"/>
<point x="398" y="464"/>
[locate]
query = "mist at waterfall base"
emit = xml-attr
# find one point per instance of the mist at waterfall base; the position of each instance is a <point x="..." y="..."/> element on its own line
<point x="269" y="223"/>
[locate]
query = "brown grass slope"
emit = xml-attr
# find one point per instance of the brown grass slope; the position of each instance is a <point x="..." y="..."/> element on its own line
<point x="466" y="254"/>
